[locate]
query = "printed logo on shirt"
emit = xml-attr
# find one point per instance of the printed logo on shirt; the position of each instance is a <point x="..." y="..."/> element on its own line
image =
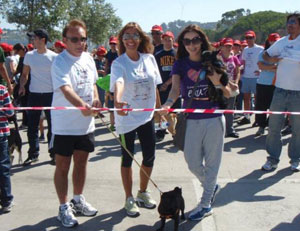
<point x="193" y="74"/>
<point x="142" y="89"/>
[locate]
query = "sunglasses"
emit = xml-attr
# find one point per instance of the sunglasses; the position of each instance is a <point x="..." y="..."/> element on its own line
<point x="134" y="36"/>
<point x="291" y="22"/>
<point x="249" y="38"/>
<point x="156" y="33"/>
<point x="76" y="39"/>
<point x="194" y="41"/>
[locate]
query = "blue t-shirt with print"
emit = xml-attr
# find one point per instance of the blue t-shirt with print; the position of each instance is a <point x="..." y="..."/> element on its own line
<point x="265" y="77"/>
<point x="189" y="72"/>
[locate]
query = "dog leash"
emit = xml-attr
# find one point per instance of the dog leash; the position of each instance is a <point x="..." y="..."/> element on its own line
<point x="131" y="155"/>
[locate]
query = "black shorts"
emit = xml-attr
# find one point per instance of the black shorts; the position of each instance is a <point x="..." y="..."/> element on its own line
<point x="65" y="145"/>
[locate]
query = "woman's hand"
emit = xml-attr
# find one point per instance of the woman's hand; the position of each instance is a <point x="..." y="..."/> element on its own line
<point x="215" y="78"/>
<point x="165" y="109"/>
<point x="121" y="105"/>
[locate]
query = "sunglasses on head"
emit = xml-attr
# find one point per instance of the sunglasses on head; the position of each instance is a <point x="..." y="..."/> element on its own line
<point x="194" y="41"/>
<point x="76" y="39"/>
<point x="249" y="38"/>
<point x="134" y="36"/>
<point x="291" y="22"/>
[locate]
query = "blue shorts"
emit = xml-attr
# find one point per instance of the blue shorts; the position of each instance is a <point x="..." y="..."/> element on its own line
<point x="249" y="85"/>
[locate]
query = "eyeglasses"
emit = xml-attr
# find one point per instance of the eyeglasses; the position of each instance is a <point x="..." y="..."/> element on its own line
<point x="249" y="38"/>
<point x="291" y="22"/>
<point x="194" y="41"/>
<point x="131" y="36"/>
<point x="156" y="33"/>
<point x="76" y="39"/>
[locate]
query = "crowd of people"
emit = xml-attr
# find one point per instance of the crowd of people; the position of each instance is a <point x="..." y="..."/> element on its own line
<point x="162" y="72"/>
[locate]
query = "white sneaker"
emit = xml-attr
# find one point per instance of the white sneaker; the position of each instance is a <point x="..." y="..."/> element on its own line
<point x="269" y="166"/>
<point x="295" y="166"/>
<point x="66" y="216"/>
<point x="131" y="208"/>
<point x="144" y="198"/>
<point x="83" y="208"/>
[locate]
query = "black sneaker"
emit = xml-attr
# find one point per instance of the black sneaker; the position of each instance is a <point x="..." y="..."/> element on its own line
<point x="52" y="161"/>
<point x="42" y="137"/>
<point x="244" y="121"/>
<point x="287" y="130"/>
<point x="30" y="160"/>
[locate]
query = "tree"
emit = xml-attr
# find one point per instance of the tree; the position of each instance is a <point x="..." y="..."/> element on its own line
<point x="231" y="17"/>
<point x="52" y="15"/>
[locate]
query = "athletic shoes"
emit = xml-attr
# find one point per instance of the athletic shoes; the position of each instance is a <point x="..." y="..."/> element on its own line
<point x="244" y="121"/>
<point x="131" y="208"/>
<point x="144" y="198"/>
<point x="199" y="213"/>
<point x="83" y="208"/>
<point x="66" y="216"/>
<point x="295" y="166"/>
<point x="269" y="166"/>
<point x="8" y="208"/>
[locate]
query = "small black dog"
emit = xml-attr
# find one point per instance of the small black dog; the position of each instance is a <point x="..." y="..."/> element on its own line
<point x="171" y="203"/>
<point x="211" y="62"/>
<point x="14" y="140"/>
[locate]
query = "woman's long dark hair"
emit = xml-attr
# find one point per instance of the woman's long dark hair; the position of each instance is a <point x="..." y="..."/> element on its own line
<point x="182" y="52"/>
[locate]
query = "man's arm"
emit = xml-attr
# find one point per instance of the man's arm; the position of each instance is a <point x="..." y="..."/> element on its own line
<point x="268" y="58"/>
<point x="74" y="99"/>
<point x="3" y="73"/>
<point x="24" y="79"/>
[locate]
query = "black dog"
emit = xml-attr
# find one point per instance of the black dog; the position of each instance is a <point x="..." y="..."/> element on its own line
<point x="211" y="62"/>
<point x="14" y="140"/>
<point x="171" y="203"/>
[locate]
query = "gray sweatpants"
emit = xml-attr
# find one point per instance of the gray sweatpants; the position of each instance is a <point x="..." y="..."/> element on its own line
<point x="204" y="141"/>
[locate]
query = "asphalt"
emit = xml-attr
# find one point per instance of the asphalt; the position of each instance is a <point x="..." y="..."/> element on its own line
<point x="249" y="199"/>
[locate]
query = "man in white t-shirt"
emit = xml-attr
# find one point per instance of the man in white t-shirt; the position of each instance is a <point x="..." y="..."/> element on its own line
<point x="38" y="62"/>
<point x="285" y="52"/>
<point x="251" y="72"/>
<point x="74" y="76"/>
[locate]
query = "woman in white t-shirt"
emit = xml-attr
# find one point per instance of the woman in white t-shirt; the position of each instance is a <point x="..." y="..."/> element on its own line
<point x="134" y="77"/>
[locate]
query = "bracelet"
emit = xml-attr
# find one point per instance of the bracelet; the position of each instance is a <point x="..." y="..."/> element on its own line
<point x="169" y="101"/>
<point x="219" y="86"/>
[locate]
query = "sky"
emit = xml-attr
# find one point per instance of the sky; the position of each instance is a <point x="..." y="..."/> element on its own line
<point x="150" y="12"/>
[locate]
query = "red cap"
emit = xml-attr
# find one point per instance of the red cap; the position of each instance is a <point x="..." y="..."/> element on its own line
<point x="250" y="33"/>
<point x="216" y="44"/>
<point x="101" y="51"/>
<point x="157" y="28"/>
<point x="113" y="40"/>
<point x="1" y="31"/>
<point x="6" y="47"/>
<point x="30" y="46"/>
<point x="175" y="44"/>
<point x="244" y="43"/>
<point x="237" y="42"/>
<point x="273" y="37"/>
<point x="169" y="34"/>
<point x="227" y="41"/>
<point x="59" y="44"/>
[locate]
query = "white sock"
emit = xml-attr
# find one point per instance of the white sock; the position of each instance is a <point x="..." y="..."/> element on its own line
<point x="76" y="198"/>
<point x="64" y="206"/>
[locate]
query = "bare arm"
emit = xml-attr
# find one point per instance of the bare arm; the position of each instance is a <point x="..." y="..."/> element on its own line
<point x="265" y="67"/>
<point x="74" y="99"/>
<point x="119" y="89"/>
<point x="24" y="79"/>
<point x="270" y="59"/>
<point x="173" y="95"/>
<point x="215" y="79"/>
<point x="238" y="74"/>
<point x="3" y="73"/>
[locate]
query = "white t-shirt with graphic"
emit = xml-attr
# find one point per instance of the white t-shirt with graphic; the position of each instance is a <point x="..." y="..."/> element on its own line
<point x="288" y="70"/>
<point x="40" y="70"/>
<point x="250" y="56"/>
<point x="140" y="79"/>
<point x="80" y="73"/>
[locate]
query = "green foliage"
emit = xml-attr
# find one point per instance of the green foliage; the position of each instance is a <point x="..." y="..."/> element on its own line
<point x="231" y="17"/>
<point x="52" y="15"/>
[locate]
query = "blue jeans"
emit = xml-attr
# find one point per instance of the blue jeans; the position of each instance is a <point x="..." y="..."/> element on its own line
<point x="37" y="100"/>
<point x="284" y="100"/>
<point x="5" y="186"/>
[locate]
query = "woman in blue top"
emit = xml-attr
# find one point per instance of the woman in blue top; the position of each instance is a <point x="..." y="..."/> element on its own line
<point x="204" y="136"/>
<point x="265" y="85"/>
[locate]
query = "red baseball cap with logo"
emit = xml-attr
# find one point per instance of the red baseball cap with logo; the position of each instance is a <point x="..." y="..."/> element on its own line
<point x="244" y="43"/>
<point x="228" y="42"/>
<point x="157" y="28"/>
<point x="30" y="47"/>
<point x="273" y="37"/>
<point x="59" y="44"/>
<point x="113" y="40"/>
<point x="6" y="47"/>
<point x="250" y="33"/>
<point x="169" y="34"/>
<point x="101" y="51"/>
